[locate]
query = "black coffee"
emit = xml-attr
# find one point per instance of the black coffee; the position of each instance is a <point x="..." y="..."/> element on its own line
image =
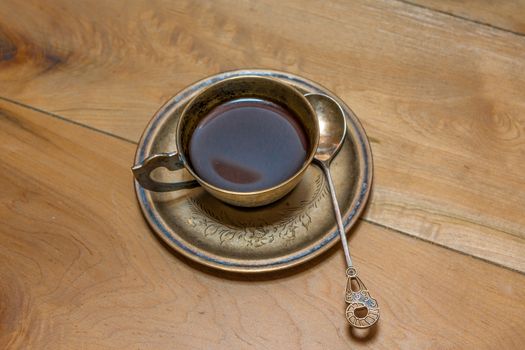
<point x="247" y="145"/>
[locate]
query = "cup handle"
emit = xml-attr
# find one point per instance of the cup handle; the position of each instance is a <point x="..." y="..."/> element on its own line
<point x="170" y="161"/>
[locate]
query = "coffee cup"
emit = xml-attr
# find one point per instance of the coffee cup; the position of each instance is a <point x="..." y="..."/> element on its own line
<point x="246" y="140"/>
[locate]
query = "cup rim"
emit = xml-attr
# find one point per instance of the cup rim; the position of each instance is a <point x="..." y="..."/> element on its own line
<point x="298" y="173"/>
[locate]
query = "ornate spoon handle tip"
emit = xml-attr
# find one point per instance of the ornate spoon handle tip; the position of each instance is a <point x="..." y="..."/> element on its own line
<point x="362" y="311"/>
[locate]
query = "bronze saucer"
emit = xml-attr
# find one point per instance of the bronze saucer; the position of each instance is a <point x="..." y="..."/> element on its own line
<point x="283" y="234"/>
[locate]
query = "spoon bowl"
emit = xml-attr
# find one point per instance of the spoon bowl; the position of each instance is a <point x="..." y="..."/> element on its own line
<point x="332" y="126"/>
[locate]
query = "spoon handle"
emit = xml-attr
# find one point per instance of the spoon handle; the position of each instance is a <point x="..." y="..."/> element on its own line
<point x="337" y="213"/>
<point x="362" y="311"/>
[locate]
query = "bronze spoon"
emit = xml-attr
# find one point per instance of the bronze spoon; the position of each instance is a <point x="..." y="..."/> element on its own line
<point x="362" y="311"/>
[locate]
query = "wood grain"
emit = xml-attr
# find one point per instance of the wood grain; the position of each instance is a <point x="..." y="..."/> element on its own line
<point x="441" y="98"/>
<point x="81" y="270"/>
<point x="508" y="15"/>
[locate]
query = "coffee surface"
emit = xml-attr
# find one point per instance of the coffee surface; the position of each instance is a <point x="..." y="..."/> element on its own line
<point x="248" y="145"/>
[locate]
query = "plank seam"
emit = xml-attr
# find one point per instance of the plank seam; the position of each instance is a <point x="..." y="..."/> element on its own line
<point x="462" y="18"/>
<point x="57" y="116"/>
<point x="388" y="228"/>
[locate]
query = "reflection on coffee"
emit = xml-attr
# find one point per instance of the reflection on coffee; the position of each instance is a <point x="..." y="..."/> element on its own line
<point x="248" y="145"/>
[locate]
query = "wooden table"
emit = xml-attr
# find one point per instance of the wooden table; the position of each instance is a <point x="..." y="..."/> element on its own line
<point x="438" y="85"/>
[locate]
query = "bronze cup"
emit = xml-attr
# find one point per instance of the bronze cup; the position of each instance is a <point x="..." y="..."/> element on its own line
<point x="219" y="93"/>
